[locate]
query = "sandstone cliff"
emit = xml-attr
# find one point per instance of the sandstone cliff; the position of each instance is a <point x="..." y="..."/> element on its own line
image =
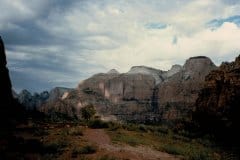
<point x="219" y="101"/>
<point x="58" y="92"/>
<point x="127" y="96"/>
<point x="177" y="95"/>
<point x="142" y="94"/>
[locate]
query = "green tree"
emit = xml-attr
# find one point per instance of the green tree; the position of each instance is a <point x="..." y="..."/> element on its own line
<point x="88" y="111"/>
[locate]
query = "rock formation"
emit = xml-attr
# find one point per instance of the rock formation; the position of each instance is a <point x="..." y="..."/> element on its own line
<point x="112" y="94"/>
<point x="10" y="110"/>
<point x="155" y="73"/>
<point x="5" y="84"/>
<point x="32" y="101"/>
<point x="65" y="104"/>
<point x="39" y="99"/>
<point x="219" y="101"/>
<point x="177" y="94"/>
<point x="57" y="93"/>
<point x="113" y="71"/>
<point x="142" y="94"/>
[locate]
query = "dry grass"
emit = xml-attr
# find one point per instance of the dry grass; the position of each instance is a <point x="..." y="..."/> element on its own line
<point x="61" y="141"/>
<point x="191" y="149"/>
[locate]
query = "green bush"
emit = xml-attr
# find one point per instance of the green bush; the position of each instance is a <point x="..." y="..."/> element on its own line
<point x="199" y="155"/>
<point x="56" y="146"/>
<point x="88" y="149"/>
<point x="130" y="127"/>
<point x="53" y="117"/>
<point x="106" y="157"/>
<point x="143" y="128"/>
<point x="113" y="126"/>
<point x="128" y="139"/>
<point x="88" y="112"/>
<point x="75" y="132"/>
<point x="63" y="132"/>
<point x="97" y="123"/>
<point x="172" y="149"/>
<point x="40" y="132"/>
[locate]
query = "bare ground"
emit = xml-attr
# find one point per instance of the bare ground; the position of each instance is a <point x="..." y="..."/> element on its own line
<point x="103" y="141"/>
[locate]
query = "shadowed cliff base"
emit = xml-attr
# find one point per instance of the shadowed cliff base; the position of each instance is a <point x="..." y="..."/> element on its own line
<point x="218" y="105"/>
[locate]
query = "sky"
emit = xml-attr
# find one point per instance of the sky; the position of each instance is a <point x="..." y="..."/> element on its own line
<point x="53" y="43"/>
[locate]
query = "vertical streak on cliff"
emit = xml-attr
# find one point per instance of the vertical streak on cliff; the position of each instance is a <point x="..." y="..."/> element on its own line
<point x="154" y="100"/>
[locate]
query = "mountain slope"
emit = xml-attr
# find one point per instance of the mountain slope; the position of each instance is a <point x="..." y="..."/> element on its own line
<point x="218" y="104"/>
<point x="142" y="94"/>
<point x="177" y="95"/>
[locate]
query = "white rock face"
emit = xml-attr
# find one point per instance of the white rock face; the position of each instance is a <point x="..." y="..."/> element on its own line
<point x="65" y="95"/>
<point x="58" y="92"/>
<point x="175" y="69"/>
<point x="113" y="71"/>
<point x="155" y="73"/>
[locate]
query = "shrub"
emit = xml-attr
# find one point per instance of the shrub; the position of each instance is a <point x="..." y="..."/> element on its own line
<point x="54" y="116"/>
<point x="143" y="128"/>
<point x="97" y="124"/>
<point x="88" y="149"/>
<point x="130" y="127"/>
<point x="106" y="157"/>
<point x="55" y="147"/>
<point x="75" y="132"/>
<point x="113" y="126"/>
<point x="172" y="149"/>
<point x="63" y="132"/>
<point x="199" y="155"/>
<point x="88" y="112"/>
<point x="128" y="138"/>
<point x="40" y="132"/>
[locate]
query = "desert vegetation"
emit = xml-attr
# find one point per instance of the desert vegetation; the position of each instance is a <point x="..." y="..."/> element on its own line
<point x="48" y="140"/>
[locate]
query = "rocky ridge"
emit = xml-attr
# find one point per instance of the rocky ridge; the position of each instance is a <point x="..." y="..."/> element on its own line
<point x="36" y="100"/>
<point x="177" y="95"/>
<point x="142" y="94"/>
<point x="218" y="103"/>
<point x="113" y="71"/>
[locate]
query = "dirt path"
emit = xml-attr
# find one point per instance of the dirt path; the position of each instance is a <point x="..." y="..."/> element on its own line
<point x="102" y="140"/>
<point x="97" y="136"/>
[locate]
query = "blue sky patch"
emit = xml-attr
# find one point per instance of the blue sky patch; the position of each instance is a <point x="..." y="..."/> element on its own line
<point x="215" y="23"/>
<point x="156" y="25"/>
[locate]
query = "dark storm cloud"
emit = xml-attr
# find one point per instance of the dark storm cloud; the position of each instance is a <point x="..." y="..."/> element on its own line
<point x="28" y="31"/>
<point x="40" y="68"/>
<point x="25" y="33"/>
